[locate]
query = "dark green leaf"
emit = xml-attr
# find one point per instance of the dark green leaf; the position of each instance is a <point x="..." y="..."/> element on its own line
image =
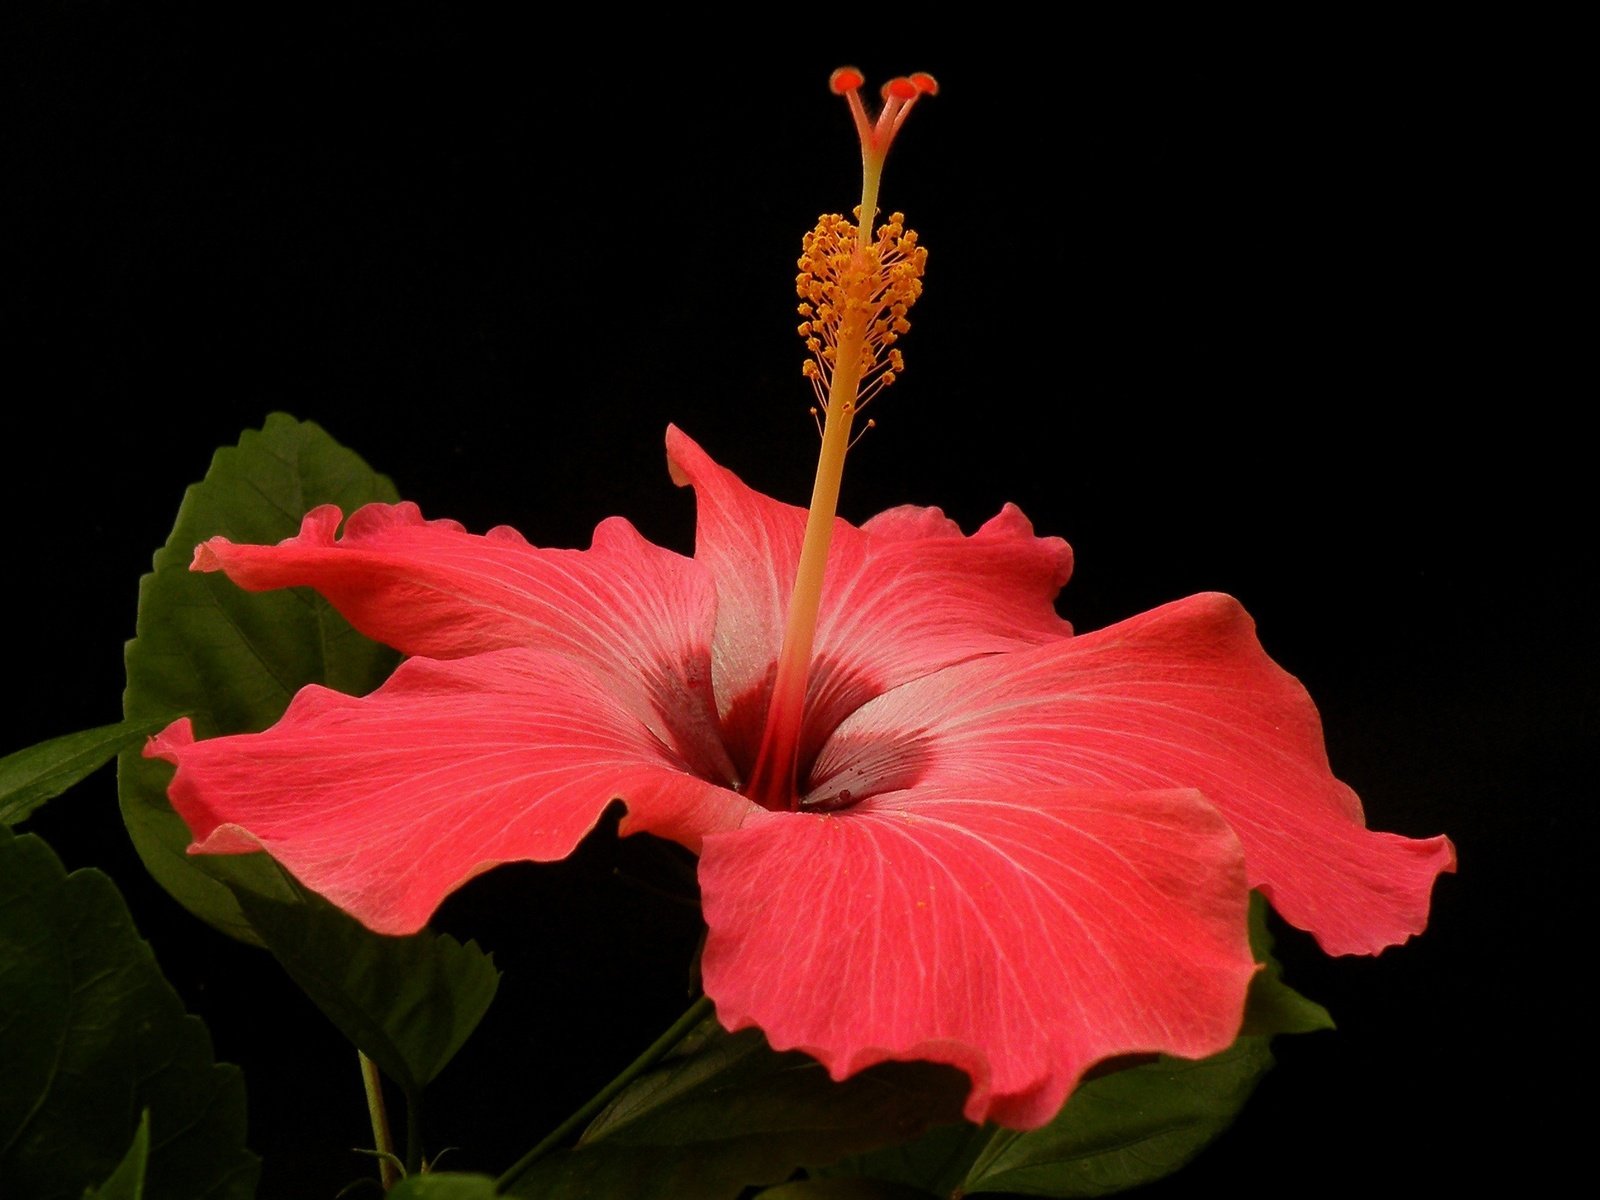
<point x="726" y="1111"/>
<point x="30" y="777"/>
<point x="938" y="1161"/>
<point x="1126" y="1128"/>
<point x="449" y="1186"/>
<point x="844" y="1189"/>
<point x="1273" y="1006"/>
<point x="408" y="1003"/>
<point x="127" y="1181"/>
<point x="232" y="659"/>
<point x="90" y="1036"/>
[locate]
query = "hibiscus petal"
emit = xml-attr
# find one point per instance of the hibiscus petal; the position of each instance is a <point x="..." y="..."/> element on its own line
<point x="1182" y="696"/>
<point x="904" y="595"/>
<point x="430" y="588"/>
<point x="1020" y="934"/>
<point x="387" y="803"/>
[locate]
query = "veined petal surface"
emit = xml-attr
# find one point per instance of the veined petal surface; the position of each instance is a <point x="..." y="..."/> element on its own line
<point x="1020" y="933"/>
<point x="625" y="606"/>
<point x="1181" y="696"/>
<point x="387" y="803"/>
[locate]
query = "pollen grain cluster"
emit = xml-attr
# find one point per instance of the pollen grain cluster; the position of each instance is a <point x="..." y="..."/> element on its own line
<point x="855" y="294"/>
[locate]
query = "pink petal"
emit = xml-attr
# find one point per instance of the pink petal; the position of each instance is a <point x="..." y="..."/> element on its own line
<point x="385" y="804"/>
<point x="429" y="588"/>
<point x="906" y="594"/>
<point x="1021" y="934"/>
<point x="1182" y="696"/>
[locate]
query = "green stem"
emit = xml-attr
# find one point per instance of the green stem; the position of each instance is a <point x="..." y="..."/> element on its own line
<point x="383" y="1140"/>
<point x="697" y="1012"/>
<point x="413" y="1133"/>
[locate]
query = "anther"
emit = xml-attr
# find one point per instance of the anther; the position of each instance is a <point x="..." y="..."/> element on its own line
<point x="858" y="294"/>
<point x="871" y="424"/>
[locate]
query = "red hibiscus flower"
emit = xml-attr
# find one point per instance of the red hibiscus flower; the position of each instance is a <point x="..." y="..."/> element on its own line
<point x="932" y="822"/>
<point x="1012" y="849"/>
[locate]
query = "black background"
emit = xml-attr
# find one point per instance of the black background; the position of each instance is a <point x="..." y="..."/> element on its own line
<point x="1225" y="320"/>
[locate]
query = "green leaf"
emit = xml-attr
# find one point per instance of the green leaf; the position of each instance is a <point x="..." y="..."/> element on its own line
<point x="448" y="1186"/>
<point x="938" y="1161"/>
<point x="726" y="1111"/>
<point x="30" y="777"/>
<point x="1126" y="1128"/>
<point x="127" y="1181"/>
<point x="90" y="1036"/>
<point x="232" y="659"/>
<point x="1272" y="1005"/>
<point x="408" y="1003"/>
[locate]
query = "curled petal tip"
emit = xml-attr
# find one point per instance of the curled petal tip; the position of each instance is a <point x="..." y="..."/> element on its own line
<point x="205" y="558"/>
<point x="170" y="740"/>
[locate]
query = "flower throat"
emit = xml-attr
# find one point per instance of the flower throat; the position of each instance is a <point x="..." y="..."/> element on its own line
<point x="855" y="289"/>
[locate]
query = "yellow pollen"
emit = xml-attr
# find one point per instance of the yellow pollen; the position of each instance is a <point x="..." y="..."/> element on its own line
<point x="869" y="288"/>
